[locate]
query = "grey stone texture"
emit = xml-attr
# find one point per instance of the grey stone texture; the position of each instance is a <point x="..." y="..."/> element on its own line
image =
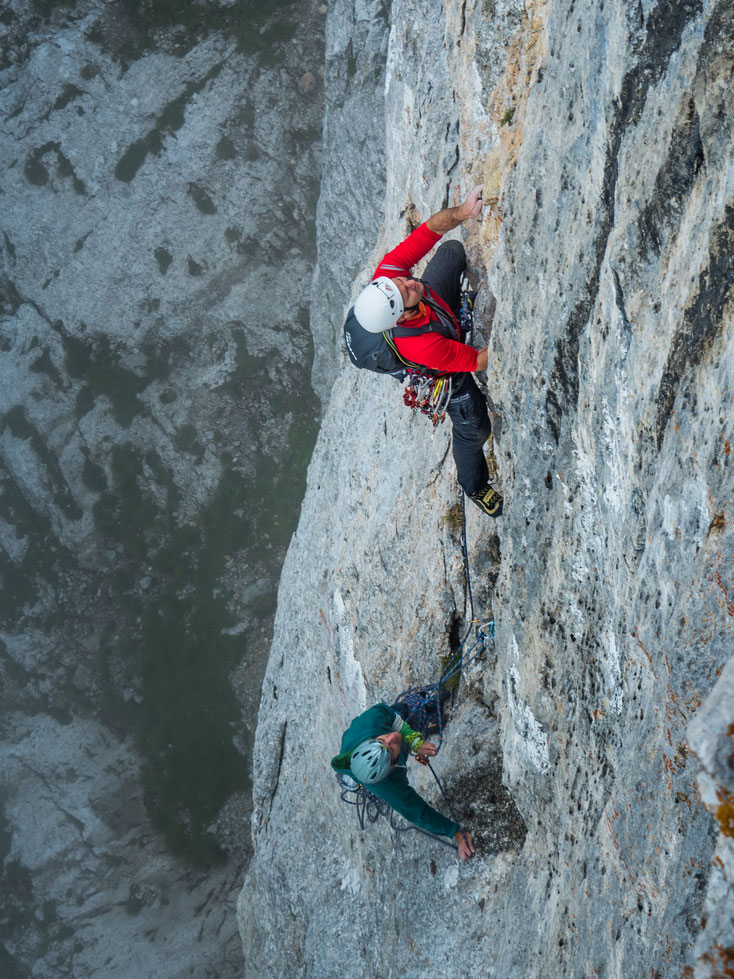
<point x="711" y="737"/>
<point x="605" y="132"/>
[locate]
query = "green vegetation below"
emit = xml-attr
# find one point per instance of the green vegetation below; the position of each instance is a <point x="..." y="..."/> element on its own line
<point x="44" y="562"/>
<point x="37" y="173"/>
<point x="17" y="423"/>
<point x="188" y="712"/>
<point x="99" y="364"/>
<point x="158" y="591"/>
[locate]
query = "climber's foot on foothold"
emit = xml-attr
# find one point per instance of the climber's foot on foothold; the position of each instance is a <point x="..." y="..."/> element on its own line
<point x="488" y="500"/>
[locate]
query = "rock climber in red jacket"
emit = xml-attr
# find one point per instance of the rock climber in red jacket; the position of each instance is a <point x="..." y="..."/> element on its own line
<point x="430" y="306"/>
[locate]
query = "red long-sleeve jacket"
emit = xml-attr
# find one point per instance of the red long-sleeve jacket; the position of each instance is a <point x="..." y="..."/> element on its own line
<point x="430" y="349"/>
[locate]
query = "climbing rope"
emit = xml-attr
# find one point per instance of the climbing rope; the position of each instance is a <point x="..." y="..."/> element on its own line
<point x="432" y="692"/>
<point x="421" y="698"/>
<point x="370" y="808"/>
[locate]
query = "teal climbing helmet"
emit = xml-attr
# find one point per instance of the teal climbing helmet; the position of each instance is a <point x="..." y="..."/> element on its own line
<point x="370" y="762"/>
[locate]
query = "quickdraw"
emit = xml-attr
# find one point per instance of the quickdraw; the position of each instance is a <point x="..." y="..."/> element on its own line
<point x="430" y="395"/>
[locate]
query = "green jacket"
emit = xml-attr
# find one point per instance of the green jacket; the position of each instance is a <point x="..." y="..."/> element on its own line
<point x="394" y="789"/>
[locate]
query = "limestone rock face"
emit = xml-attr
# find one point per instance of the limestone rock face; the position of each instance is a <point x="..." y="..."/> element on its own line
<point x="711" y="735"/>
<point x="604" y="134"/>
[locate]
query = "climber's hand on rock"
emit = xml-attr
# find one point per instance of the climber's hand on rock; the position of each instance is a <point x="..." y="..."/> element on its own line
<point x="482" y="359"/>
<point x="466" y="843"/>
<point x="472" y="206"/>
<point x="428" y="749"/>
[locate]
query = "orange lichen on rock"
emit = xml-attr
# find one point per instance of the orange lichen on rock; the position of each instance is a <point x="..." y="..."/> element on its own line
<point x="725" y="963"/>
<point x="727" y="601"/>
<point x="508" y="105"/>
<point x="717" y="523"/>
<point x="724" y="815"/>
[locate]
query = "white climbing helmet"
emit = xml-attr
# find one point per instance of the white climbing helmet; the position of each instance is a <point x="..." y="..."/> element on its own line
<point x="370" y="762"/>
<point x="379" y="305"/>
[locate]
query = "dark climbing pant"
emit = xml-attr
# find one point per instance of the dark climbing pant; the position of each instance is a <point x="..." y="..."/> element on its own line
<point x="468" y="406"/>
<point x="468" y="413"/>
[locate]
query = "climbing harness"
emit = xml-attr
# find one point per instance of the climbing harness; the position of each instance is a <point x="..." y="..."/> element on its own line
<point x="425" y="714"/>
<point x="431" y="395"/>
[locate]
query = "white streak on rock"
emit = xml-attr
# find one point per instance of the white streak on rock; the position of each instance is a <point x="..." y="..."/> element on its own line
<point x="451" y="878"/>
<point x="534" y="739"/>
<point x="352" y="678"/>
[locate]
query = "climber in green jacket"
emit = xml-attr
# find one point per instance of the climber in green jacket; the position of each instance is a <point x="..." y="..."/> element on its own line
<point x="374" y="750"/>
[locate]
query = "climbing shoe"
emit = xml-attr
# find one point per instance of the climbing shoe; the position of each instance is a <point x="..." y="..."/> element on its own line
<point x="488" y="500"/>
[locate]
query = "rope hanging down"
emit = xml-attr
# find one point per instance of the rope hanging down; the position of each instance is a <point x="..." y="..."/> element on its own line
<point x="426" y="712"/>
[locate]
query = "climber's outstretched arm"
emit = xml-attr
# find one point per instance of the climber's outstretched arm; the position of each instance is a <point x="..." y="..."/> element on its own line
<point x="451" y="217"/>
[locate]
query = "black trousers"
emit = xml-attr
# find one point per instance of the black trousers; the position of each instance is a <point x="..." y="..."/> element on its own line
<point x="468" y="406"/>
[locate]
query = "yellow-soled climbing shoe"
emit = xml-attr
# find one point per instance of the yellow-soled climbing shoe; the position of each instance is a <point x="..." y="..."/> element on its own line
<point x="488" y="500"/>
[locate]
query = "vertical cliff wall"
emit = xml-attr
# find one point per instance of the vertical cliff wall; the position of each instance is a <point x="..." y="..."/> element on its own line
<point x="605" y="132"/>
